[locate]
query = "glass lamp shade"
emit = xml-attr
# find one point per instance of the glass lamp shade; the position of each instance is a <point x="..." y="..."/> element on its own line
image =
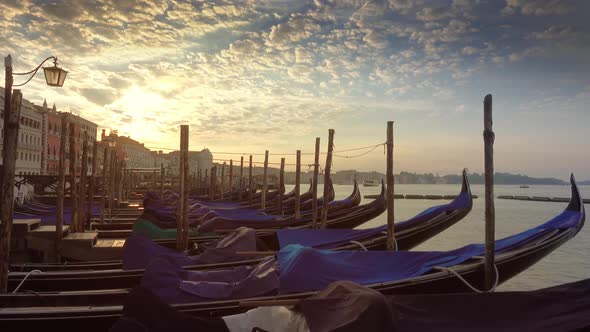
<point x="55" y="76"/>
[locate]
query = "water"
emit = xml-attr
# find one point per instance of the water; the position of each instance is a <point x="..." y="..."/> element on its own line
<point x="566" y="264"/>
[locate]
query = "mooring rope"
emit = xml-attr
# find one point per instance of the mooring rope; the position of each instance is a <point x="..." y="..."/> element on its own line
<point x="24" y="279"/>
<point x="473" y="288"/>
<point x="359" y="244"/>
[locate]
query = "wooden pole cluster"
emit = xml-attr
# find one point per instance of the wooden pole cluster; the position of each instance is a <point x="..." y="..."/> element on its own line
<point x="390" y="215"/>
<point x="60" y="187"/>
<point x="281" y="185"/>
<point x="314" y="185"/>
<point x="12" y="105"/>
<point x="298" y="186"/>
<point x="105" y="183"/>
<point x="264" y="180"/>
<point x="73" y="184"/>
<point x="490" y="214"/>
<point x="327" y="180"/>
<point x="250" y="183"/>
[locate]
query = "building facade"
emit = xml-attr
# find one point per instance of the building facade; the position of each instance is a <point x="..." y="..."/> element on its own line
<point x="198" y="161"/>
<point x="38" y="139"/>
<point x="29" y="138"/>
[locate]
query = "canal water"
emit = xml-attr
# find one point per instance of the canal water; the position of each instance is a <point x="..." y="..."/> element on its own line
<point x="569" y="263"/>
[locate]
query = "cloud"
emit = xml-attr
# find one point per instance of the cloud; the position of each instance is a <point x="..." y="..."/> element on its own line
<point x="537" y="7"/>
<point x="99" y="96"/>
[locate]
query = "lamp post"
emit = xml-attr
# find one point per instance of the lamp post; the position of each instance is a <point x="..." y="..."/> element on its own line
<point x="54" y="76"/>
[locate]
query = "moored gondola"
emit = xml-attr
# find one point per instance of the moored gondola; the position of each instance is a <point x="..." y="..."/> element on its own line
<point x="513" y="255"/>
<point x="410" y="233"/>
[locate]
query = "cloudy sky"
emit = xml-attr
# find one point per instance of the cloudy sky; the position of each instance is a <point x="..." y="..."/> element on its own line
<point x="274" y="74"/>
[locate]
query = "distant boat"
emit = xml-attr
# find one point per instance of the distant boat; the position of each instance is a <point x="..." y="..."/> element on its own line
<point x="524" y="186"/>
<point x="370" y="183"/>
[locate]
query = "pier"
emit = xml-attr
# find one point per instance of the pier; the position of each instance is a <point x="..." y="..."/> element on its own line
<point x="414" y="196"/>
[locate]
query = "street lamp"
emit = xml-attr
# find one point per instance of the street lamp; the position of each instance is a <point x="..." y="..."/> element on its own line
<point x="54" y="76"/>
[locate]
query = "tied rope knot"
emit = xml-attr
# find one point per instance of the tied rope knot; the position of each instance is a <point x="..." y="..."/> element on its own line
<point x="488" y="135"/>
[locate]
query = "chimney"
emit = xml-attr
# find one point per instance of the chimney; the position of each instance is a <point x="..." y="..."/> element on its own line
<point x="102" y="135"/>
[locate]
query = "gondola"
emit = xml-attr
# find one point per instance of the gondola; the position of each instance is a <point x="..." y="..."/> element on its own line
<point x="346" y="306"/>
<point x="409" y="234"/>
<point x="513" y="255"/>
<point x="336" y="209"/>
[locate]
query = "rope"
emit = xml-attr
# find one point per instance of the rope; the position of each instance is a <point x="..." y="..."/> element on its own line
<point x="468" y="284"/>
<point x="24" y="279"/>
<point x="361" y="154"/>
<point x="359" y="244"/>
<point x="372" y="147"/>
<point x="395" y="246"/>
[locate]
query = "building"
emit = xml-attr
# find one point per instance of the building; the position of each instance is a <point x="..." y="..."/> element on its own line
<point x="85" y="129"/>
<point x="198" y="161"/>
<point x="135" y="153"/>
<point x="29" y="138"/>
<point x="51" y="124"/>
<point x="39" y="135"/>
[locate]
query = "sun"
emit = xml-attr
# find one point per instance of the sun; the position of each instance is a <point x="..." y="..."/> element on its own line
<point x="136" y="101"/>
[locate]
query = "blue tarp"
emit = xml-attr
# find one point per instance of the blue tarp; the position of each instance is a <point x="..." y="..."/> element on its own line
<point x="332" y="238"/>
<point x="139" y="250"/>
<point x="307" y="269"/>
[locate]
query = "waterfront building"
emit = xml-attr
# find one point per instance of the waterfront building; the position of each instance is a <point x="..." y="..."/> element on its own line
<point x="29" y="138"/>
<point x="198" y="161"/>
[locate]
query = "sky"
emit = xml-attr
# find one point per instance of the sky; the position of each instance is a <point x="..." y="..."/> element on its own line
<point x="255" y="75"/>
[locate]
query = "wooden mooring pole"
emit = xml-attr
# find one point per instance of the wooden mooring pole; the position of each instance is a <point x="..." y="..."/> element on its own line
<point x="92" y="190"/>
<point x="162" y="174"/>
<point x="73" y="185"/>
<point x="185" y="185"/>
<point x="490" y="214"/>
<point x="12" y="105"/>
<point x="212" y="183"/>
<point x="105" y="183"/>
<point x="112" y="174"/>
<point x="231" y="178"/>
<point x="241" y="178"/>
<point x="82" y="196"/>
<point x="264" y="181"/>
<point x="314" y="185"/>
<point x="298" y="185"/>
<point x="222" y="179"/>
<point x="61" y="171"/>
<point x="327" y="181"/>
<point x="281" y="185"/>
<point x="390" y="214"/>
<point x="250" y="183"/>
